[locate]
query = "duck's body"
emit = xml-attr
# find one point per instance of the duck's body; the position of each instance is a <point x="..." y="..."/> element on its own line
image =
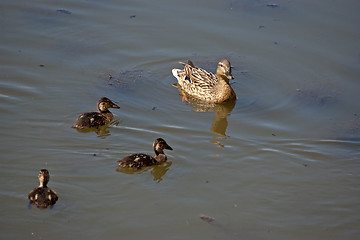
<point x="96" y="119"/>
<point x="139" y="160"/>
<point x="43" y="196"/>
<point x="205" y="85"/>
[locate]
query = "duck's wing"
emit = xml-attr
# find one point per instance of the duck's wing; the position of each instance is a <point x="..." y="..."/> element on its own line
<point x="90" y="119"/>
<point x="43" y="197"/>
<point x="201" y="77"/>
<point x="137" y="160"/>
<point x="197" y="82"/>
<point x="33" y="195"/>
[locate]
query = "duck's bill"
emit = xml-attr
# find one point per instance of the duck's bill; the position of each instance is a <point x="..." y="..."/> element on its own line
<point x="229" y="76"/>
<point x="168" y="147"/>
<point x="115" y="106"/>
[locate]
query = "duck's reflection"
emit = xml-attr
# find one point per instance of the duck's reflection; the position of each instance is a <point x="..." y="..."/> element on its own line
<point x="220" y="122"/>
<point x="102" y="131"/>
<point x="158" y="171"/>
<point x="222" y="111"/>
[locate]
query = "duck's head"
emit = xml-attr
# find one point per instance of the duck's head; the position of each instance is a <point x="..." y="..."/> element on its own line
<point x="105" y="103"/>
<point x="224" y="70"/>
<point x="44" y="177"/>
<point x="159" y="146"/>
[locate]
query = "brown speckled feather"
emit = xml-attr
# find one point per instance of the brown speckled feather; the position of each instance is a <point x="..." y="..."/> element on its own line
<point x="93" y="119"/>
<point x="139" y="160"/>
<point x="43" y="196"/>
<point x="96" y="119"/>
<point x="205" y="85"/>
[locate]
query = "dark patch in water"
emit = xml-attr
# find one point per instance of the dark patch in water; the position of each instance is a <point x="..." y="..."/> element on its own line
<point x="125" y="79"/>
<point x="63" y="11"/>
<point x="321" y="96"/>
<point x="272" y="5"/>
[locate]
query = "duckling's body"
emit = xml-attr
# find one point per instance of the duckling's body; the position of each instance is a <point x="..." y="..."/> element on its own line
<point x="205" y="85"/>
<point x="139" y="160"/>
<point x="97" y="119"/>
<point x="43" y="196"/>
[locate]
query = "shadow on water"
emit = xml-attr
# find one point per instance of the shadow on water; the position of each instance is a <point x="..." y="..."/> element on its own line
<point x="158" y="171"/>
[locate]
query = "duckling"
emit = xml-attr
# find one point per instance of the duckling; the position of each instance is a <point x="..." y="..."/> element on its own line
<point x="139" y="160"/>
<point x="43" y="196"/>
<point x="205" y="85"/>
<point x="97" y="119"/>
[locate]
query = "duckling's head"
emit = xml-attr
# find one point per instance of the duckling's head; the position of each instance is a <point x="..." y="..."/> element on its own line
<point x="224" y="70"/>
<point x="159" y="146"/>
<point x="105" y="103"/>
<point x="44" y="177"/>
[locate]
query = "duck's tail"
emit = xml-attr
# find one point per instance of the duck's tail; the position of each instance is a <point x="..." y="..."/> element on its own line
<point x="175" y="72"/>
<point x="189" y="63"/>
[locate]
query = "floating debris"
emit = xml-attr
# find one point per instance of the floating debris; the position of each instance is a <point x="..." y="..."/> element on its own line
<point x="207" y="218"/>
<point x="63" y="11"/>
<point x="272" y="5"/>
<point x="124" y="79"/>
<point x="132" y="16"/>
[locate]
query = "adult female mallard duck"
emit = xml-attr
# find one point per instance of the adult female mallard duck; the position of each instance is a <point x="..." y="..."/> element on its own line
<point x="96" y="119"/>
<point x="139" y="160"/>
<point x="205" y="85"/>
<point x="43" y="196"/>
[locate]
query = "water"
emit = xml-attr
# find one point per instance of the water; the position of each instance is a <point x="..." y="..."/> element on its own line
<point x="283" y="163"/>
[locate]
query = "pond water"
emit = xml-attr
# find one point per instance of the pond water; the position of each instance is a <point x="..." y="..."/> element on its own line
<point x="282" y="163"/>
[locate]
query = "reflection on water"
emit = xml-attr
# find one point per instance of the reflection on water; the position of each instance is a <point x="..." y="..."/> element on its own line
<point x="220" y="122"/>
<point x="158" y="171"/>
<point x="222" y="110"/>
<point x="102" y="131"/>
<point x="218" y="143"/>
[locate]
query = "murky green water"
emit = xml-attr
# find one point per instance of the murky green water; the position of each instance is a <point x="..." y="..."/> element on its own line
<point x="283" y="163"/>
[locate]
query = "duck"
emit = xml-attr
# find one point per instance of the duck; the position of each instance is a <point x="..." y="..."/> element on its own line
<point x="96" y="119"/>
<point x="206" y="86"/>
<point x="139" y="160"/>
<point x="43" y="196"/>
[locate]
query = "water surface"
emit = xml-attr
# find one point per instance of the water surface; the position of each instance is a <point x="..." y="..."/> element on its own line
<point x="282" y="163"/>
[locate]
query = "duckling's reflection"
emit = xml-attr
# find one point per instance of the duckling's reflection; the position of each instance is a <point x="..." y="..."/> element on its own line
<point x="158" y="171"/>
<point x="102" y="131"/>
